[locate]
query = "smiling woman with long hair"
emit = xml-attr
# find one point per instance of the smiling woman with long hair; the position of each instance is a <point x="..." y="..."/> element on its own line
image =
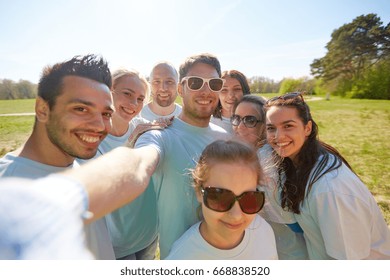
<point x="337" y="213"/>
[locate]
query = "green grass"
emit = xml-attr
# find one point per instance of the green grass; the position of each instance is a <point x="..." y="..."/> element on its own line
<point x="14" y="132"/>
<point x="17" y="106"/>
<point x="359" y="129"/>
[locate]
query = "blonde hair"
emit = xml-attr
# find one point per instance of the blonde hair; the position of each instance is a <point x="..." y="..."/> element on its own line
<point x="120" y="73"/>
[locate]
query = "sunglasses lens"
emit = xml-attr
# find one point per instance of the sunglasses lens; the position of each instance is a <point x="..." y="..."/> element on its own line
<point x="250" y="121"/>
<point x="252" y="202"/>
<point x="216" y="84"/>
<point x="217" y="199"/>
<point x="195" y="83"/>
<point x="235" y="120"/>
<point x="222" y="200"/>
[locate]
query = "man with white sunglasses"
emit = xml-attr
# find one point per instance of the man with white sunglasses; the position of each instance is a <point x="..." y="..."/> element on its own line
<point x="174" y="151"/>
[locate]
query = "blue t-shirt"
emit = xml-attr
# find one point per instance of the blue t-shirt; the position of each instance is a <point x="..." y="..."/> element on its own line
<point x="15" y="166"/>
<point x="179" y="147"/>
<point x="132" y="227"/>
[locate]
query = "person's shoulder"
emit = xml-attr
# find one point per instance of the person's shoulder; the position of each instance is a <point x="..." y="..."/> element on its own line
<point x="217" y="128"/>
<point x="8" y="157"/>
<point x="138" y="120"/>
<point x="181" y="248"/>
<point x="146" y="107"/>
<point x="10" y="164"/>
<point x="260" y="223"/>
<point x="340" y="181"/>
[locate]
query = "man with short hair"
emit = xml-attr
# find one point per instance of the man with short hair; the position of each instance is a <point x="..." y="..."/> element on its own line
<point x="72" y="116"/>
<point x="163" y="83"/>
<point x="173" y="151"/>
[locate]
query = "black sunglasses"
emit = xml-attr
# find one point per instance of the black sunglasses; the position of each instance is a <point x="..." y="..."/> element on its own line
<point x="249" y="121"/>
<point x="196" y="83"/>
<point x="222" y="200"/>
<point x="290" y="95"/>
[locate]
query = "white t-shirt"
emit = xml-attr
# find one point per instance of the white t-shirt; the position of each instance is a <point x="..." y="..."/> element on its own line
<point x="149" y="115"/>
<point x="290" y="245"/>
<point x="258" y="244"/>
<point x="42" y="219"/>
<point x="341" y="219"/>
<point x="224" y="123"/>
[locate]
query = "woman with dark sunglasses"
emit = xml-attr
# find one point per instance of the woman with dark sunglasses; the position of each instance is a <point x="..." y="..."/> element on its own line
<point x="234" y="88"/>
<point x="226" y="181"/>
<point x="337" y="213"/>
<point x="248" y="122"/>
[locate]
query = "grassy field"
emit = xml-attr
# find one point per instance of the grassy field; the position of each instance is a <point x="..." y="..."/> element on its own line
<point x="14" y="130"/>
<point x="359" y="129"/>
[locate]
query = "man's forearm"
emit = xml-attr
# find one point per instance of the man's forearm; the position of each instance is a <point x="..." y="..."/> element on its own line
<point x="116" y="178"/>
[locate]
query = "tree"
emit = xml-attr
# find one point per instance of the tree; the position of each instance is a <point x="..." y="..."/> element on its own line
<point x="26" y="89"/>
<point x="353" y="49"/>
<point x="7" y="89"/>
<point x="304" y="84"/>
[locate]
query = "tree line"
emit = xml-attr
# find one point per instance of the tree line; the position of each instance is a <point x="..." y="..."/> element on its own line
<point x="356" y="64"/>
<point x="17" y="90"/>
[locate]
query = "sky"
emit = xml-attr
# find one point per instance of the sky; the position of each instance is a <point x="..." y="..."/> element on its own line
<point x="275" y="39"/>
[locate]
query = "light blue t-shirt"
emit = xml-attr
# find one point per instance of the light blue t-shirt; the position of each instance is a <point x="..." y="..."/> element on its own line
<point x="15" y="166"/>
<point x="132" y="227"/>
<point x="179" y="147"/>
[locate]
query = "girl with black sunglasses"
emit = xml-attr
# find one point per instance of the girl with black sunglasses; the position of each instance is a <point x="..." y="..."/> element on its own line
<point x="337" y="213"/>
<point x="226" y="181"/>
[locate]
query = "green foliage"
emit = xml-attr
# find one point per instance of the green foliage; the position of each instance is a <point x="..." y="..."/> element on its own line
<point x="263" y="85"/>
<point x="319" y="87"/>
<point x="375" y="84"/>
<point x="303" y="84"/>
<point x="353" y="52"/>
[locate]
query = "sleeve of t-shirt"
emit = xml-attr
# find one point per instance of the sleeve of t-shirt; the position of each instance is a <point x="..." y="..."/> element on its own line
<point x="152" y="138"/>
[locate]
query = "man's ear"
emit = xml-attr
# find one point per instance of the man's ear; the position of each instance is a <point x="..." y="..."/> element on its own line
<point x="180" y="89"/>
<point x="42" y="110"/>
